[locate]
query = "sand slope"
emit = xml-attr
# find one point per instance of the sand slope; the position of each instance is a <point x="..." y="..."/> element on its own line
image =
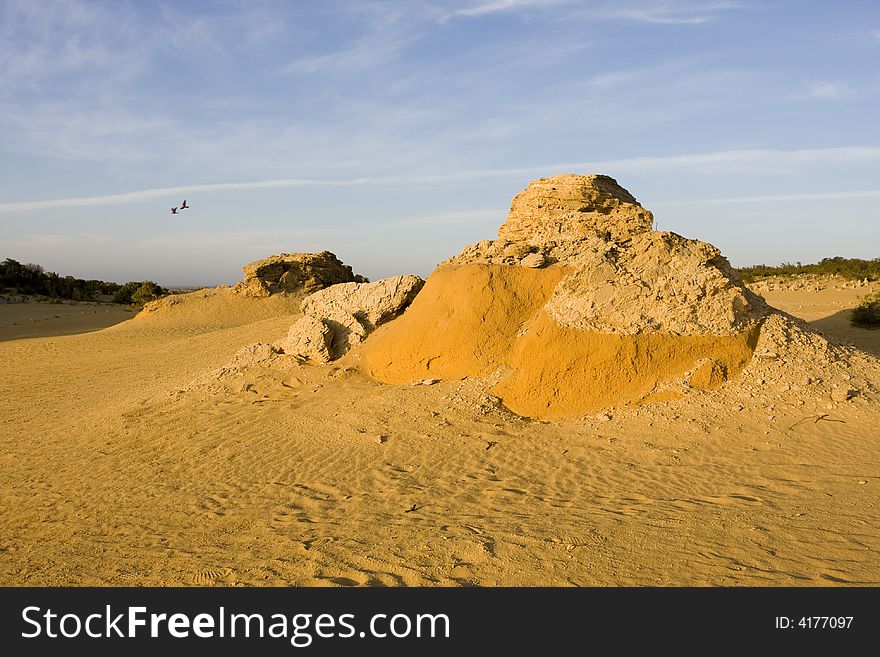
<point x="138" y="455"/>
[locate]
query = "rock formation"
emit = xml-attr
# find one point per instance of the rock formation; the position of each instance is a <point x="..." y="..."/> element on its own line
<point x="296" y="272"/>
<point x="341" y="316"/>
<point x="577" y="306"/>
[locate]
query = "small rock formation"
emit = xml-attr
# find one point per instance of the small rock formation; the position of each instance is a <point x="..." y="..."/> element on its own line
<point x="577" y="306"/>
<point x="296" y="272"/>
<point x="341" y="316"/>
<point x="572" y="207"/>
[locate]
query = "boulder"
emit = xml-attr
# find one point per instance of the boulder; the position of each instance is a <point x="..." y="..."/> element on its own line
<point x="308" y="338"/>
<point x="341" y="316"/>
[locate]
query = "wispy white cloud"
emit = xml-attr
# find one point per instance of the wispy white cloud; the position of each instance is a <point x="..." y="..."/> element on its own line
<point x="176" y="241"/>
<point x="364" y="54"/>
<point x="751" y="161"/>
<point x="377" y="33"/>
<point x="162" y="192"/>
<point x="498" y="6"/>
<point x="754" y="161"/>
<point x="451" y="218"/>
<point x="780" y="198"/>
<point x="828" y="90"/>
<point x="78" y="130"/>
<point x="194" y="241"/>
<point x="57" y="240"/>
<point x="673" y="12"/>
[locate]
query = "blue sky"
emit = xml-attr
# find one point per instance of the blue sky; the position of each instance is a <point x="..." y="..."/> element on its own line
<point x="396" y="132"/>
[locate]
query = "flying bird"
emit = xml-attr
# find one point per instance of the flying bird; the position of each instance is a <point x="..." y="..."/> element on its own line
<point x="184" y="206"/>
<point x="173" y="210"/>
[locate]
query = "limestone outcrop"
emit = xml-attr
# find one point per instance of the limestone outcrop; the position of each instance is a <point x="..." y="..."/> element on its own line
<point x="296" y="273"/>
<point x="572" y="207"/>
<point x="341" y="316"/>
<point x="578" y="305"/>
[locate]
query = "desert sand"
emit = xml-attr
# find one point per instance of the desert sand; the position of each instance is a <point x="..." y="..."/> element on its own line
<point x="37" y="320"/>
<point x="180" y="448"/>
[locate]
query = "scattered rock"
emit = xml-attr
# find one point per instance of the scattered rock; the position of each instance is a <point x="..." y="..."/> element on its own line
<point x="533" y="260"/>
<point x="709" y="374"/>
<point x="843" y="394"/>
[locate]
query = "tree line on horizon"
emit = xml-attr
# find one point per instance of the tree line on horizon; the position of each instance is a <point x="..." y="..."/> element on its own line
<point x="30" y="278"/>
<point x="33" y="279"/>
<point x="849" y="268"/>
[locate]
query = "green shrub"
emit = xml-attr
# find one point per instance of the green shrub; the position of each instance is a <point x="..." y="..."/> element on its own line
<point x="147" y="291"/>
<point x="137" y="293"/>
<point x="867" y="313"/>
<point x="123" y="294"/>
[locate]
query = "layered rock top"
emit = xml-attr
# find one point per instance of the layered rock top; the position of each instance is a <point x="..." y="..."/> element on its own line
<point x="573" y="207"/>
<point x="623" y="277"/>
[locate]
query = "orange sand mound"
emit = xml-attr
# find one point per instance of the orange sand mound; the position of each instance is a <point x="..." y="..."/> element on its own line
<point x="474" y="320"/>
<point x="463" y="323"/>
<point x="580" y="372"/>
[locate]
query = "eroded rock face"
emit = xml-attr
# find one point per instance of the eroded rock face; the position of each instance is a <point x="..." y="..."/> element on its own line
<point x="371" y="303"/>
<point x="578" y="305"/>
<point x="341" y="316"/>
<point x="296" y="273"/>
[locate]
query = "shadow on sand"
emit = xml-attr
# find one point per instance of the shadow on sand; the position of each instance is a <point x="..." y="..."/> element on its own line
<point x="838" y="327"/>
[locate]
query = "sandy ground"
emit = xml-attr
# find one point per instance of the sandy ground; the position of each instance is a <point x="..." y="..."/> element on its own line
<point x="827" y="309"/>
<point x="137" y="455"/>
<point x="40" y="320"/>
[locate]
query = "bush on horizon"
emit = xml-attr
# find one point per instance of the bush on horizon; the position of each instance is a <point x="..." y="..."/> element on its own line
<point x="867" y="313"/>
<point x="849" y="268"/>
<point x="147" y="291"/>
<point x="137" y="293"/>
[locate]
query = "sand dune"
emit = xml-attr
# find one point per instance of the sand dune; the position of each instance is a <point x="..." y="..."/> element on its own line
<point x="116" y="470"/>
<point x="36" y="320"/>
